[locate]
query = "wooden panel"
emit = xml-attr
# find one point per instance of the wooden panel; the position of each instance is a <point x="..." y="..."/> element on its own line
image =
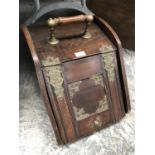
<point x="120" y="61"/>
<point x="78" y="72"/>
<point x="86" y="127"/>
<point x="82" y="68"/>
<point x="56" y="88"/>
<point x="86" y="94"/>
<point x="88" y="97"/>
<point x="116" y="92"/>
<point x="110" y="65"/>
<point x="42" y="85"/>
<point x="67" y="47"/>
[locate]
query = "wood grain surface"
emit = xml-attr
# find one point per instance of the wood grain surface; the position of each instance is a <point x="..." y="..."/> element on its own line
<point x="73" y="69"/>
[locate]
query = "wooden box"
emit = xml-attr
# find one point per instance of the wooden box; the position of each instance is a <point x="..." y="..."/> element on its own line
<point x="82" y="81"/>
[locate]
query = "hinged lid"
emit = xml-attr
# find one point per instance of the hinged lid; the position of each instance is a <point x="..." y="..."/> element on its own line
<point x="69" y="49"/>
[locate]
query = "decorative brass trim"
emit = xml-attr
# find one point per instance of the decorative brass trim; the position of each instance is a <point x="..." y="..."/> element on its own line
<point x="80" y="113"/>
<point x="97" y="79"/>
<point x="50" y="61"/>
<point x="97" y="123"/>
<point x="56" y="80"/>
<point x="73" y="88"/>
<point x="106" y="48"/>
<point x="109" y="65"/>
<point x="103" y="104"/>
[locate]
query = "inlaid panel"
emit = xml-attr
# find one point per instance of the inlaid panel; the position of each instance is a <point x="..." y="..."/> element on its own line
<point x="88" y="97"/>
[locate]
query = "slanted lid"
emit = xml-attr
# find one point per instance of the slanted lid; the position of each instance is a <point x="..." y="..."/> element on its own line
<point x="70" y="49"/>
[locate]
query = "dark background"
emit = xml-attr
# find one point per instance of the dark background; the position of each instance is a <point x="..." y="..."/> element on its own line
<point x="120" y="14"/>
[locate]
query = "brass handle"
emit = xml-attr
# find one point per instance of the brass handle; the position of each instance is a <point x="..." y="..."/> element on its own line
<point x="68" y="20"/>
<point x="52" y="22"/>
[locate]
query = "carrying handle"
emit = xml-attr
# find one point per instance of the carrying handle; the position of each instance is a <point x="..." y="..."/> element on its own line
<point x="69" y="20"/>
<point x="52" y="22"/>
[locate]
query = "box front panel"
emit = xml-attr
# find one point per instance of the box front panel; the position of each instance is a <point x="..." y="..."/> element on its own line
<point x="89" y="94"/>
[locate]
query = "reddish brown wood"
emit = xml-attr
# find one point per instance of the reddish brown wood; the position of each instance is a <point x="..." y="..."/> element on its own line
<point x="41" y="81"/>
<point x="87" y="67"/>
<point x="115" y="95"/>
<point x="89" y="93"/>
<point x="84" y="125"/>
<point x="115" y="39"/>
<point x="56" y="110"/>
<point x="69" y="103"/>
<point x="62" y="112"/>
<point x="67" y="47"/>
